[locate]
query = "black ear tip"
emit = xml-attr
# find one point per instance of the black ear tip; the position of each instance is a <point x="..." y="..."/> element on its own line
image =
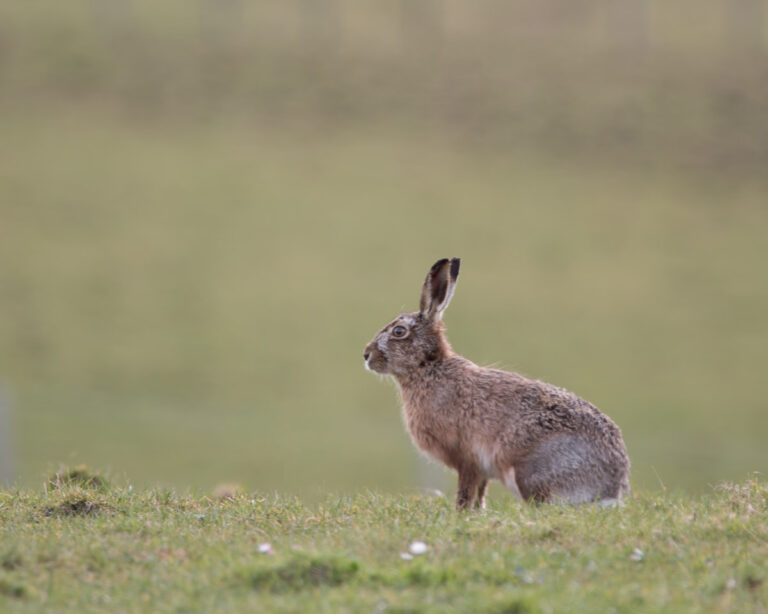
<point x="439" y="265"/>
<point x="455" y="264"/>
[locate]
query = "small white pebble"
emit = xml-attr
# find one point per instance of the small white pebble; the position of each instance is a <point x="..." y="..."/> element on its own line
<point x="405" y="556"/>
<point x="265" y="548"/>
<point x="417" y="548"/>
<point x="637" y="555"/>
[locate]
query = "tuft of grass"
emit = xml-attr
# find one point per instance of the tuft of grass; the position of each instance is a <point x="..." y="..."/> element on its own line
<point x="79" y="476"/>
<point x="228" y="491"/>
<point x="77" y="492"/>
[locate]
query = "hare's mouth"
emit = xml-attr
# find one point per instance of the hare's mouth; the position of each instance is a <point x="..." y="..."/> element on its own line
<point x="376" y="363"/>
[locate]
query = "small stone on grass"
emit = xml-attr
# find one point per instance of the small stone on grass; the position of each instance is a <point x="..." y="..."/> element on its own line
<point x="417" y="548"/>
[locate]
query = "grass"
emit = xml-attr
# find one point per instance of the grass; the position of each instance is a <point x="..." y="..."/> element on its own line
<point x="181" y="289"/>
<point x="642" y="85"/>
<point x="75" y="548"/>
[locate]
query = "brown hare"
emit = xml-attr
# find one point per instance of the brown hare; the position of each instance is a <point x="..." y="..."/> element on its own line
<point x="542" y="442"/>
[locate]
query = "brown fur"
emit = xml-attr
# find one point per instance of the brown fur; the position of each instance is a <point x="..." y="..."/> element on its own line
<point x="541" y="441"/>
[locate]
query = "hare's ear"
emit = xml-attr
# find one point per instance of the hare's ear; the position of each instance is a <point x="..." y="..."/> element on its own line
<point x="438" y="288"/>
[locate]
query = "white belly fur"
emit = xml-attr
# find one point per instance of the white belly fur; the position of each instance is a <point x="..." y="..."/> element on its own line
<point x="487" y="461"/>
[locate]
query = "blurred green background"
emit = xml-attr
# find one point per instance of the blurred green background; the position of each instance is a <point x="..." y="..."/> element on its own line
<point x="207" y="208"/>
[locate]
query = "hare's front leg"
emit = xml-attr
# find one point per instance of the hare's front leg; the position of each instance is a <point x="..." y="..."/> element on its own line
<point x="481" y="490"/>
<point x="469" y="483"/>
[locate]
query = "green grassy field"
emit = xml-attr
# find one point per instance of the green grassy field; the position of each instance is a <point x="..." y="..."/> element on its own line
<point x="203" y="222"/>
<point x="209" y="290"/>
<point x="89" y="547"/>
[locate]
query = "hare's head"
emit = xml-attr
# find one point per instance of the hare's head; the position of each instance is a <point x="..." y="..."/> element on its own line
<point x="413" y="340"/>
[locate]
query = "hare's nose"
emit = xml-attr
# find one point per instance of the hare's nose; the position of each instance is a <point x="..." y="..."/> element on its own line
<point x="366" y="355"/>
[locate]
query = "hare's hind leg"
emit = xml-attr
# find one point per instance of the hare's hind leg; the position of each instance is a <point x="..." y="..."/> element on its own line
<point x="509" y="479"/>
<point x="566" y="468"/>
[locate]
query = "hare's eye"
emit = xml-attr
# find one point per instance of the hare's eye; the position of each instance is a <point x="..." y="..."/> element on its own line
<point x="399" y="331"/>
